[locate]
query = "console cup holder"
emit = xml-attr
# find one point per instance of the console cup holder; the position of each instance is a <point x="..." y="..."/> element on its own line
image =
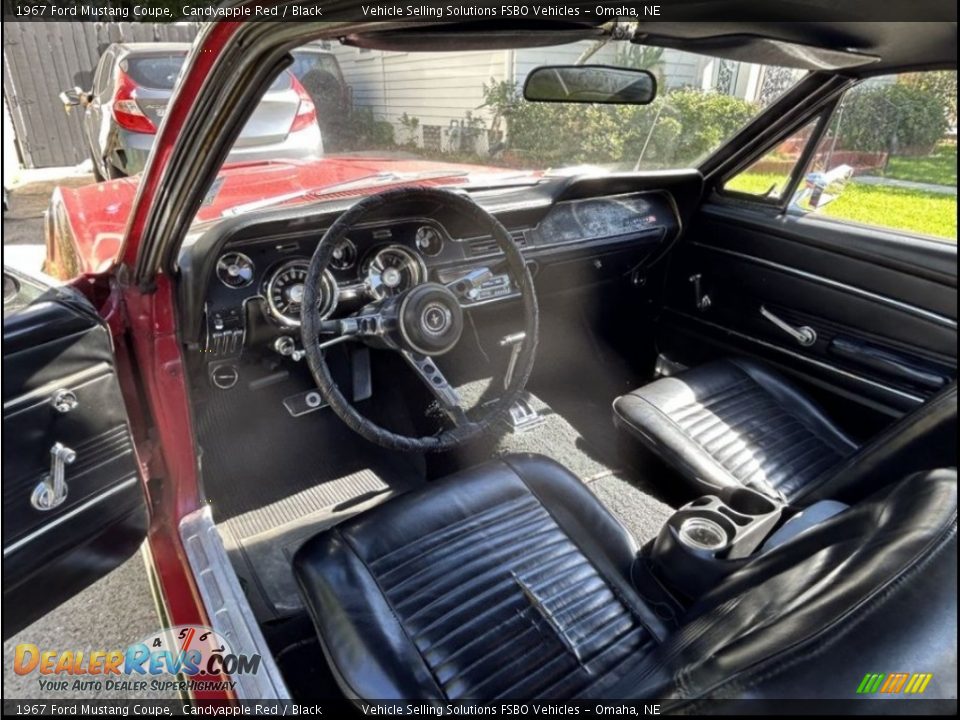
<point x="748" y="502"/>
<point x="702" y="533"/>
<point x="712" y="536"/>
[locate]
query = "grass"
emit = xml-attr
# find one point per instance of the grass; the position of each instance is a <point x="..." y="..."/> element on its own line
<point x="939" y="168"/>
<point x="911" y="211"/>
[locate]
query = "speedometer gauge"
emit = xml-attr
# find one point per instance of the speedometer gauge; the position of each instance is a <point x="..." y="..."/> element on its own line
<point x="392" y="270"/>
<point x="285" y="290"/>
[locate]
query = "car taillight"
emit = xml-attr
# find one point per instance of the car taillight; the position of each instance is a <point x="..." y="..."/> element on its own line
<point x="306" y="112"/>
<point x="126" y="112"/>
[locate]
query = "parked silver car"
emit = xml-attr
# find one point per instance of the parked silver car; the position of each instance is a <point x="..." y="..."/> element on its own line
<point x="132" y="85"/>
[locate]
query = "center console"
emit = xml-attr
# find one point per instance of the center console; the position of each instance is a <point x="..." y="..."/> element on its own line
<point x="709" y="538"/>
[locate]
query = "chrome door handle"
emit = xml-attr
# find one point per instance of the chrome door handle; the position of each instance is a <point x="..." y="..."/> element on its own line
<point x="804" y="335"/>
<point x="52" y="490"/>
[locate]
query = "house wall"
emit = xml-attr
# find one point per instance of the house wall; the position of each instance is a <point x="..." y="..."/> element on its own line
<point x="678" y="69"/>
<point x="436" y="88"/>
<point x="440" y="89"/>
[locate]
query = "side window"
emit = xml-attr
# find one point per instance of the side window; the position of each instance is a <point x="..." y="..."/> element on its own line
<point x="889" y="157"/>
<point x="769" y="177"/>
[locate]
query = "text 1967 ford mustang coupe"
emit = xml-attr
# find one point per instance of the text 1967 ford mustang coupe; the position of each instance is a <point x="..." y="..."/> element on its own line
<point x="560" y="376"/>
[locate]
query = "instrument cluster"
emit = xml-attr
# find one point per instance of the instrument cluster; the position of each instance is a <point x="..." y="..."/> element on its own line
<point x="377" y="263"/>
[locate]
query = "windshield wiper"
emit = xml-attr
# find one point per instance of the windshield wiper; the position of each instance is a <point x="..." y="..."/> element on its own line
<point x="319" y="191"/>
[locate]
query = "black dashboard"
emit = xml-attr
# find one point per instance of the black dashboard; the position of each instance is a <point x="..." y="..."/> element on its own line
<point x="241" y="281"/>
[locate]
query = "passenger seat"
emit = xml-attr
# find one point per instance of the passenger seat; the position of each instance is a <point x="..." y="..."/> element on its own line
<point x="738" y="422"/>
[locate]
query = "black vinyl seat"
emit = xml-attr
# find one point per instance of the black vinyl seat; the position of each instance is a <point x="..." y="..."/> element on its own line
<point x="462" y="589"/>
<point x="511" y="580"/>
<point x="735" y="422"/>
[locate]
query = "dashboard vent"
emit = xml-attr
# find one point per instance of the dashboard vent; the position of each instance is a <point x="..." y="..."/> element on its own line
<point x="479" y="247"/>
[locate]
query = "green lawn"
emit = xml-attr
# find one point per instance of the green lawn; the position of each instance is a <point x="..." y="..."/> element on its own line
<point x="939" y="168"/>
<point x="909" y="210"/>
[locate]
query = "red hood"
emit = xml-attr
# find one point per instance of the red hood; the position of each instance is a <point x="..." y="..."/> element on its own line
<point x="97" y="214"/>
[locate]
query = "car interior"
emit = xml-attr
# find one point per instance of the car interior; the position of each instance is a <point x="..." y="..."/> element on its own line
<point x="597" y="435"/>
<point x="728" y="405"/>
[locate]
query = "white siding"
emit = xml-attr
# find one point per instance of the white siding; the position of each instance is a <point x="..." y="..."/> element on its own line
<point x="441" y="88"/>
<point x="679" y="69"/>
<point x="437" y="88"/>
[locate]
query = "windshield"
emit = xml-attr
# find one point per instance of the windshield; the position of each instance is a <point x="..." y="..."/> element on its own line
<point x="392" y="116"/>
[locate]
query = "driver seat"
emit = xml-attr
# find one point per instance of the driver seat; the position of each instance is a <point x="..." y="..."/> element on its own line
<point x="511" y="580"/>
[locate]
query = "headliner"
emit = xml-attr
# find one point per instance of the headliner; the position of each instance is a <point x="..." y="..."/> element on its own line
<point x="701" y="26"/>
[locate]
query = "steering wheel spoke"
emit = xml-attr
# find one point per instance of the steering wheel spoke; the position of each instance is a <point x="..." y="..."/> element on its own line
<point x="448" y="397"/>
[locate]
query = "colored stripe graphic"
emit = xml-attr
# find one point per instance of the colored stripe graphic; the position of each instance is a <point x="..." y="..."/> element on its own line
<point x="918" y="683"/>
<point x="894" y="683"/>
<point x="870" y="683"/>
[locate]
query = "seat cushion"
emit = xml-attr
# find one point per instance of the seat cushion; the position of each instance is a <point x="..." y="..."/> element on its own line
<point x="735" y="422"/>
<point x="507" y="580"/>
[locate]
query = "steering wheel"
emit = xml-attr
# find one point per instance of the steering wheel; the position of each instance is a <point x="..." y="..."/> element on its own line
<point x="421" y="323"/>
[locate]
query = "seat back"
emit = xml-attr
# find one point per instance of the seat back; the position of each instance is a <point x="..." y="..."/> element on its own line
<point x="923" y="439"/>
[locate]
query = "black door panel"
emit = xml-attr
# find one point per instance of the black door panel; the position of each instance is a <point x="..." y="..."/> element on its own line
<point x="60" y="390"/>
<point x="883" y="306"/>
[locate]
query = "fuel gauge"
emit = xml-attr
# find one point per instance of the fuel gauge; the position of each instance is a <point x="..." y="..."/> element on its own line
<point x="429" y="240"/>
<point x="235" y="270"/>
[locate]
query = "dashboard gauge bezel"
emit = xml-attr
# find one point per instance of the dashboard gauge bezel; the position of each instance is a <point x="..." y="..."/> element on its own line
<point x="353" y="262"/>
<point x="412" y="256"/>
<point x="437" y="232"/>
<point x="330" y="292"/>
<point x="221" y="266"/>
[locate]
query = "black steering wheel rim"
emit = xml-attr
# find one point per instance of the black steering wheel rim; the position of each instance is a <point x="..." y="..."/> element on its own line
<point x="312" y="323"/>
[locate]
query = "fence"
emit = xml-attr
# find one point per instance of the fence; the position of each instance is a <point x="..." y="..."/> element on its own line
<point x="40" y="59"/>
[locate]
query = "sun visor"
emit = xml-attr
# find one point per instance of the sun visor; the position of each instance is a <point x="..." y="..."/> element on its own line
<point x="764" y="51"/>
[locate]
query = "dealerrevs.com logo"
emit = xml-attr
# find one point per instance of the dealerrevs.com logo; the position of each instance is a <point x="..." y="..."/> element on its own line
<point x="197" y="654"/>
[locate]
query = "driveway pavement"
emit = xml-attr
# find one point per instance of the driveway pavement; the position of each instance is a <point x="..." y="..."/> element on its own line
<point x="119" y="609"/>
<point x="109" y="615"/>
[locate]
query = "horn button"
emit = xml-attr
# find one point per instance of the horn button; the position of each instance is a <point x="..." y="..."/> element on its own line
<point x="431" y="319"/>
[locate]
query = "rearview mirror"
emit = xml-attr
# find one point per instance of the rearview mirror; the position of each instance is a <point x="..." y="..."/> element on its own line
<point x="590" y="84"/>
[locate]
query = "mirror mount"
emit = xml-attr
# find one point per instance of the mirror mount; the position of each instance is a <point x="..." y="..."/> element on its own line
<point x="602" y="84"/>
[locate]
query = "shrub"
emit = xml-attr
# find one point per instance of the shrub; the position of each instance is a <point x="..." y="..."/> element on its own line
<point x="902" y="118"/>
<point x="677" y="129"/>
<point x="365" y="131"/>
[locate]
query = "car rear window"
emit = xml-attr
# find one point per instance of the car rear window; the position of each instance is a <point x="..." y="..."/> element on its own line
<point x="160" y="72"/>
<point x="155" y="71"/>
